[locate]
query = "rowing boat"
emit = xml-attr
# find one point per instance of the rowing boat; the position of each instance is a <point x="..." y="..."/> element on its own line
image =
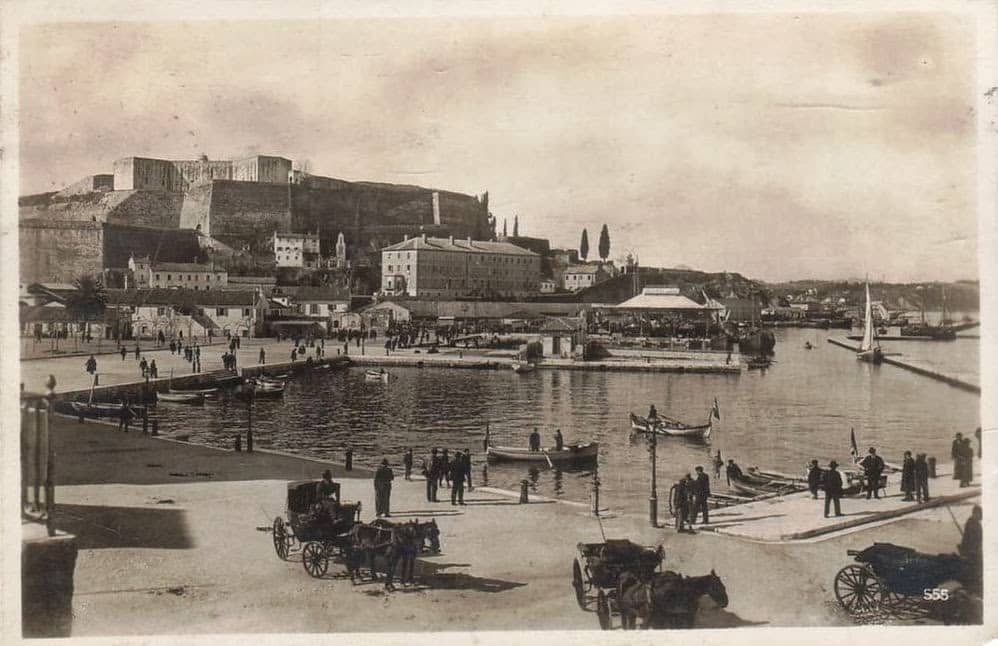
<point x="377" y="375"/>
<point x="100" y="408"/>
<point x="207" y="392"/>
<point x="180" y="398"/>
<point x="261" y="393"/>
<point x="523" y="368"/>
<point x="666" y="426"/>
<point x="568" y="453"/>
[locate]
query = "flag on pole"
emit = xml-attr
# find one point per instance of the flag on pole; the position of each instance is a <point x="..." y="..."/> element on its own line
<point x="854" y="451"/>
<point x="716" y="411"/>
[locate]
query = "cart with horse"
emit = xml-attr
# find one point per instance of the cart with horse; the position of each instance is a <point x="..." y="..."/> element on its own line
<point x="318" y="524"/>
<point x="604" y="564"/>
<point x="902" y="583"/>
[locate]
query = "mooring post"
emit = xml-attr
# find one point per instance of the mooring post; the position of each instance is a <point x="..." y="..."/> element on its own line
<point x="653" y="499"/>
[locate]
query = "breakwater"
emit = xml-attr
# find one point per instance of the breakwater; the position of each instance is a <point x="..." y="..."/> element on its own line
<point x="918" y="370"/>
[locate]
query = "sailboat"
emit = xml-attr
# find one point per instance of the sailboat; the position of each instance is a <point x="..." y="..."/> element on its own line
<point x="869" y="348"/>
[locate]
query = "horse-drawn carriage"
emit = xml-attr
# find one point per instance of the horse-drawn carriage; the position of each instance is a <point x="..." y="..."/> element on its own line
<point x="605" y="563"/>
<point x="317" y="524"/>
<point x="900" y="582"/>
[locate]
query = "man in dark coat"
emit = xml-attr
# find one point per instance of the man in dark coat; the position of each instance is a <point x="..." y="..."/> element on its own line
<point x="814" y="476"/>
<point x="833" y="488"/>
<point x="921" y="478"/>
<point x="701" y="492"/>
<point x="966" y="461"/>
<point x="682" y="502"/>
<point x="559" y="441"/>
<point x="535" y="441"/>
<point x="407" y="463"/>
<point x="444" y="469"/>
<point x="954" y="454"/>
<point x="908" y="477"/>
<point x="457" y="476"/>
<point x="91" y="365"/>
<point x="873" y="468"/>
<point x="972" y="545"/>
<point x="383" y="489"/>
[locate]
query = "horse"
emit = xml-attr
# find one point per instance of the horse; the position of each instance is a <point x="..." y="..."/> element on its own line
<point x="667" y="600"/>
<point x="397" y="543"/>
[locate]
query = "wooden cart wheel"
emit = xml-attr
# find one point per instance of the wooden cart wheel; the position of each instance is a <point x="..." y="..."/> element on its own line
<point x="603" y="610"/>
<point x="900" y="605"/>
<point x="858" y="589"/>
<point x="280" y="535"/>
<point x="577" y="583"/>
<point x="313" y="557"/>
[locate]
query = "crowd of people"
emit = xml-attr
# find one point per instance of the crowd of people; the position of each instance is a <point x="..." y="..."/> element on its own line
<point x="690" y="499"/>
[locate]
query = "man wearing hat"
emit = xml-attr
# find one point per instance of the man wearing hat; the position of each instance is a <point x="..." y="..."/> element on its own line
<point x="383" y="489"/>
<point x="873" y="467"/>
<point x="326" y="490"/>
<point x="833" y="488"/>
<point x="814" y="476"/>
<point x="432" y="473"/>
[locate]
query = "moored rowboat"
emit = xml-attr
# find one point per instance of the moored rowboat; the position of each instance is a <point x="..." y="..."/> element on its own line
<point x="665" y="426"/>
<point x="377" y="375"/>
<point x="180" y="398"/>
<point x="522" y="368"/>
<point x="569" y="453"/>
<point x="207" y="392"/>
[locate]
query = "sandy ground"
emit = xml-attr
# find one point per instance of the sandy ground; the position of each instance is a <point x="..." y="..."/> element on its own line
<point x="168" y="548"/>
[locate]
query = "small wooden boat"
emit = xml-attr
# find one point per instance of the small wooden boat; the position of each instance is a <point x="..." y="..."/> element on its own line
<point x="377" y="375"/>
<point x="260" y="393"/>
<point x="207" y="392"/>
<point x="180" y="398"/>
<point x="568" y="453"/>
<point x="756" y="485"/>
<point x="758" y="363"/>
<point x="280" y="379"/>
<point x="667" y="426"/>
<point x="523" y="368"/>
<point x="808" y="346"/>
<point x="100" y="409"/>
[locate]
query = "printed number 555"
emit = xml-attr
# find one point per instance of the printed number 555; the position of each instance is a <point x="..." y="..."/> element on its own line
<point x="935" y="594"/>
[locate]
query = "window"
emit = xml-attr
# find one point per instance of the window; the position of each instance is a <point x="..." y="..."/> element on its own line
<point x="157" y="276"/>
<point x="246" y="311"/>
<point x="313" y="308"/>
<point x="221" y="311"/>
<point x="169" y="276"/>
<point x="160" y="311"/>
<point x="196" y="277"/>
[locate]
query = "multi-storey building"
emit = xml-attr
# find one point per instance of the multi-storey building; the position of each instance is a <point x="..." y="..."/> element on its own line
<point x="186" y="275"/>
<point x="139" y="173"/>
<point x="296" y="249"/>
<point x="448" y="268"/>
<point x="576" y="277"/>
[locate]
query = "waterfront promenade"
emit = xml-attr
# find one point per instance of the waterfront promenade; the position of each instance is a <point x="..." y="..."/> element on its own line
<point x="174" y="540"/>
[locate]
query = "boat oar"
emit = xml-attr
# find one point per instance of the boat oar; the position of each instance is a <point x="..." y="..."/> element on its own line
<point x="546" y="457"/>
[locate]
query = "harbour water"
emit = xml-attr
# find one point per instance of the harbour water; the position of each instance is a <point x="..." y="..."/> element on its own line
<point x="801" y="408"/>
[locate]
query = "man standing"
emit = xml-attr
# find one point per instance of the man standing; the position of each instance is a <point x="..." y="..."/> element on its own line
<point x="971" y="546"/>
<point x="921" y="478"/>
<point x="873" y="467"/>
<point x="814" y="474"/>
<point x="126" y="415"/>
<point x="123" y="353"/>
<point x="535" y="440"/>
<point x="457" y="479"/>
<point x="559" y="441"/>
<point x="833" y="488"/>
<point x="407" y="463"/>
<point x="718" y="463"/>
<point x="91" y="365"/>
<point x="432" y="475"/>
<point x="383" y="489"/>
<point x="153" y="370"/>
<point x="682" y="502"/>
<point x="444" y="469"/>
<point x="733" y="471"/>
<point x="908" y="477"/>
<point x="263" y="357"/>
<point x="701" y="492"/>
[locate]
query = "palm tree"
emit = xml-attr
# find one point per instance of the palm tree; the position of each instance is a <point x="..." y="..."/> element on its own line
<point x="88" y="302"/>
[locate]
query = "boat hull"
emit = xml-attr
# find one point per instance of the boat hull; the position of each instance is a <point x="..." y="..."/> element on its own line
<point x="668" y="427"/>
<point x="870" y="356"/>
<point x="571" y="453"/>
<point x="180" y="398"/>
<point x="523" y="368"/>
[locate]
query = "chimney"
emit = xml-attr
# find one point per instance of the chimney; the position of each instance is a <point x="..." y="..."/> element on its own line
<point x="452" y="240"/>
<point x="436" y="208"/>
<point x="405" y="238"/>
<point x="469" y="240"/>
<point x="424" y="237"/>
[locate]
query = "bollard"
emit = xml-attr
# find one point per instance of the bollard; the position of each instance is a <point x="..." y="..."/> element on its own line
<point x="596" y="496"/>
<point x="349" y="460"/>
<point x="932" y="467"/>
<point x="524" y="498"/>
<point x="155" y="427"/>
<point x="249" y="441"/>
<point x="145" y="420"/>
<point x="238" y="446"/>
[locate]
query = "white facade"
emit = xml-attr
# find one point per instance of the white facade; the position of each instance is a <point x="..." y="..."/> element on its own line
<point x="183" y="275"/>
<point x="296" y="249"/>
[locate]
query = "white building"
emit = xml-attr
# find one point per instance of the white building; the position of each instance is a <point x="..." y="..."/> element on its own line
<point x="167" y="275"/>
<point x="172" y="311"/>
<point x="296" y="249"/>
<point x="448" y="268"/>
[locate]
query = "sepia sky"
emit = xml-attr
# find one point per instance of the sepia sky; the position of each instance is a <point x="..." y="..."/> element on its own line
<point x="780" y="146"/>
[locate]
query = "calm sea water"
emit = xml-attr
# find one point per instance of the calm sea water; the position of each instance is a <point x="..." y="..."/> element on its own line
<point x="800" y="408"/>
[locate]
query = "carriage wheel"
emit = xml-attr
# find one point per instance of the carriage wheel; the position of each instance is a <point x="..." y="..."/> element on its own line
<point x="603" y="610"/>
<point x="580" y="592"/>
<point x="280" y="535"/>
<point x="900" y="605"/>
<point x="313" y="557"/>
<point x="858" y="589"/>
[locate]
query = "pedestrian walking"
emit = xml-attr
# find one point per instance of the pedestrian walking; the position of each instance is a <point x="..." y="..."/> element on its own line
<point x="921" y="478"/>
<point x="349" y="460"/>
<point x="873" y="468"/>
<point x="457" y="476"/>
<point x="91" y="365"/>
<point x="123" y="353"/>
<point x="467" y="469"/>
<point x="559" y="441"/>
<point x="144" y="367"/>
<point x="294" y="354"/>
<point x="407" y="463"/>
<point x="444" y="469"/>
<point x="814" y="477"/>
<point x="965" y="459"/>
<point x="954" y="454"/>
<point x="701" y="493"/>
<point x="718" y="463"/>
<point x="173" y="346"/>
<point x="126" y="415"/>
<point x="833" y="488"/>
<point x="153" y="369"/>
<point x="908" y="477"/>
<point x="263" y="357"/>
<point x="136" y="351"/>
<point x="383" y="489"/>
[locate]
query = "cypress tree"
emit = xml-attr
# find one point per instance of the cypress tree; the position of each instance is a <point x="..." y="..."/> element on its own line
<point x="584" y="245"/>
<point x="516" y="225"/>
<point x="604" y="243"/>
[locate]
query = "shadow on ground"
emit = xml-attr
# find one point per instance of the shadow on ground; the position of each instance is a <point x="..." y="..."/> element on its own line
<point x="98" y="527"/>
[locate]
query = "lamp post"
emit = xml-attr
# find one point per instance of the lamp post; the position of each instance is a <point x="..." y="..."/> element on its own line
<point x="249" y="429"/>
<point x="653" y="498"/>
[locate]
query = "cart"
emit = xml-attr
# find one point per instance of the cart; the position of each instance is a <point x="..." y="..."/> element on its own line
<point x="899" y="582"/>
<point x="320" y="528"/>
<point x="604" y="564"/>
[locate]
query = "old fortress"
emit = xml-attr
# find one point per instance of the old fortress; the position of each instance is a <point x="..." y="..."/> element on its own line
<point x="171" y="210"/>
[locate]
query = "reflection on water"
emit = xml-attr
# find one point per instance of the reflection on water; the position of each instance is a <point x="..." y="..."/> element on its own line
<point x="800" y="408"/>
